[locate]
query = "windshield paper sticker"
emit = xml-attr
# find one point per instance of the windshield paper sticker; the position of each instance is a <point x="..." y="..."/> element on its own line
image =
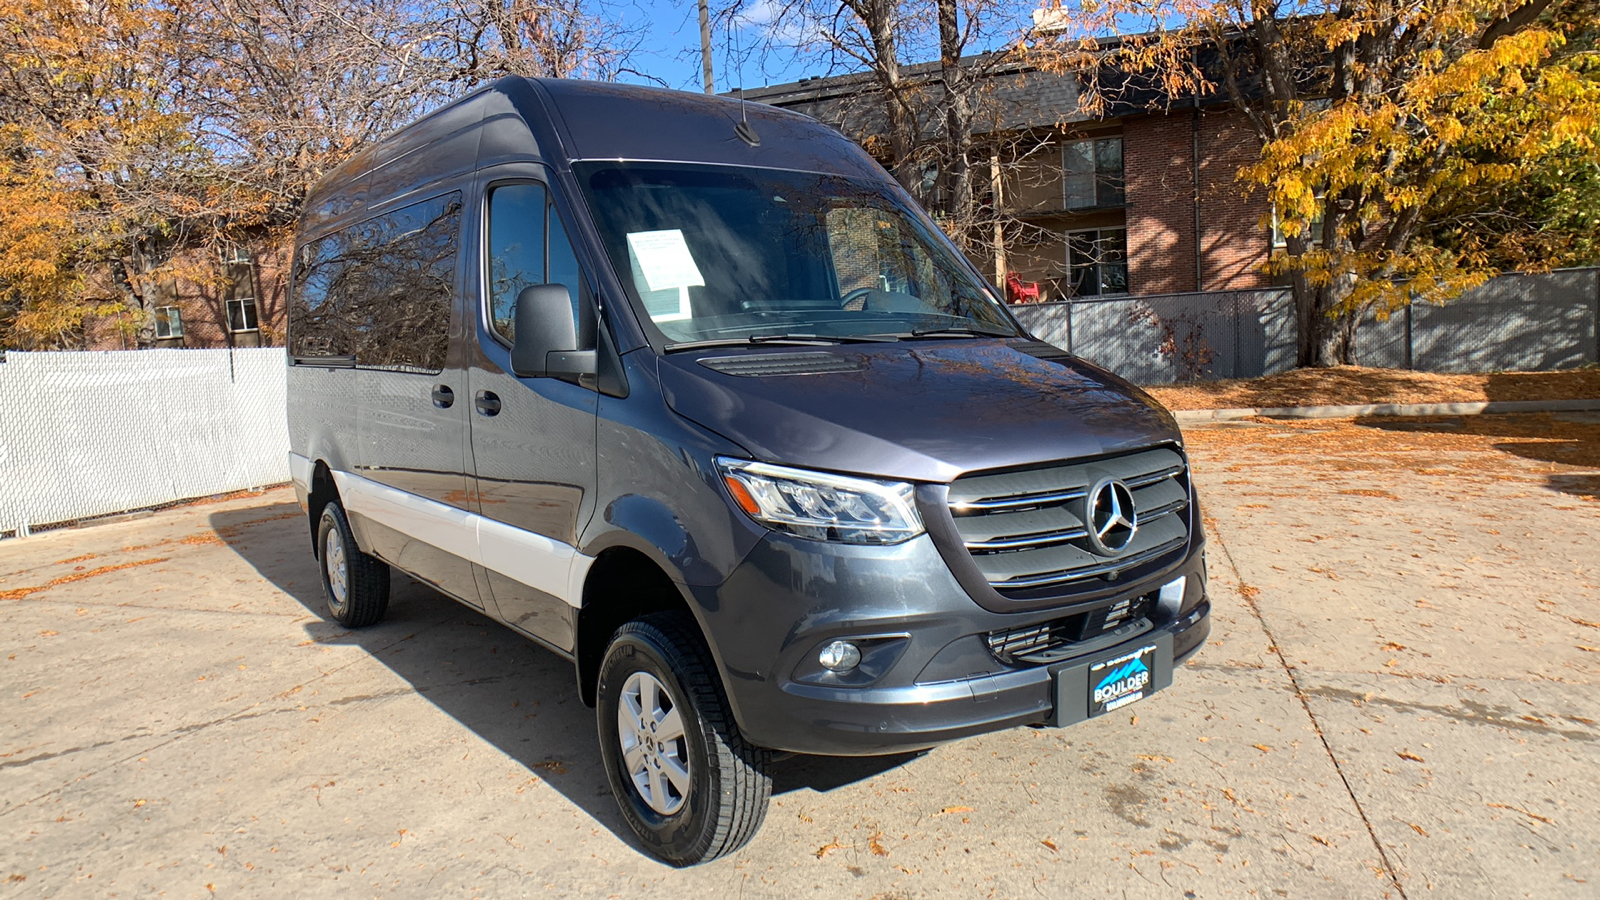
<point x="663" y="272"/>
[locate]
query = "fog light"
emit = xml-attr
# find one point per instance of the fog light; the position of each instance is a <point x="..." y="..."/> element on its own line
<point x="840" y="656"/>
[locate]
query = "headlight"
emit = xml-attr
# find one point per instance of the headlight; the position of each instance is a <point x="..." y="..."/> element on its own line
<point x="822" y="506"/>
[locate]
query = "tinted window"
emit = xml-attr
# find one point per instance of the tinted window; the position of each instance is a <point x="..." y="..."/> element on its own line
<point x="527" y="246"/>
<point x="380" y="291"/>
<point x="516" y="248"/>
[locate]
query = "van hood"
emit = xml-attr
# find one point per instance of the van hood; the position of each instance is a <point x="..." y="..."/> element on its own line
<point x="926" y="411"/>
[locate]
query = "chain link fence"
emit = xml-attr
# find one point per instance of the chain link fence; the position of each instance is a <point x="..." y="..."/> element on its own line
<point x="89" y="434"/>
<point x="1513" y="322"/>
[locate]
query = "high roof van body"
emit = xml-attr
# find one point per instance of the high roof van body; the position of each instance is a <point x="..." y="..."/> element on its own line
<point x="690" y="392"/>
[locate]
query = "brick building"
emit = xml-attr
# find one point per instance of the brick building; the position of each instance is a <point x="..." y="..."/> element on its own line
<point x="242" y="304"/>
<point x="1133" y="202"/>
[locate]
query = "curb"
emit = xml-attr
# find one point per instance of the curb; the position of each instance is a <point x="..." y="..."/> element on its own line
<point x="1202" y="416"/>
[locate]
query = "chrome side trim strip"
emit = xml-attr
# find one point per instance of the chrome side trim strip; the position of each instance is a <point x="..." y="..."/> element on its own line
<point x="542" y="563"/>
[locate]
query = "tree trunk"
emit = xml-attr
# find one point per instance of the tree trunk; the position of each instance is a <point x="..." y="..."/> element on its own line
<point x="957" y="174"/>
<point x="1325" y="337"/>
<point x="878" y="16"/>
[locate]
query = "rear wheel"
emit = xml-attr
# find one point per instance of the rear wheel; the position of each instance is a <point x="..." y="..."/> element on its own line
<point x="688" y="784"/>
<point x="356" y="585"/>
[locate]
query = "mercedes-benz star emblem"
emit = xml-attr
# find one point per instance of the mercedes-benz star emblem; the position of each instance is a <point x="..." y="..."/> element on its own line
<point x="1111" y="517"/>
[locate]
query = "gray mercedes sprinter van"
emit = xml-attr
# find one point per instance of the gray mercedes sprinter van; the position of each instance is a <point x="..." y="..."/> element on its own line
<point x="691" y="393"/>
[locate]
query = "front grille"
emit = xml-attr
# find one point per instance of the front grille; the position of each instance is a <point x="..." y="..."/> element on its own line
<point x="1057" y="639"/>
<point x="1026" y="529"/>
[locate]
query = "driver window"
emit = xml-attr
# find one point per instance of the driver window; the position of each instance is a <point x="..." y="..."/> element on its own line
<point x="528" y="246"/>
<point x="517" y="216"/>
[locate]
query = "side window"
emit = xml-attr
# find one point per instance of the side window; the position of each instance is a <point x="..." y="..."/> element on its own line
<point x="318" y="326"/>
<point x="380" y="290"/>
<point x="516" y="249"/>
<point x="527" y="246"/>
<point x="406" y="277"/>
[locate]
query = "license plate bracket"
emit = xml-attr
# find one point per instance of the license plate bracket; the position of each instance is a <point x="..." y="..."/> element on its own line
<point x="1121" y="680"/>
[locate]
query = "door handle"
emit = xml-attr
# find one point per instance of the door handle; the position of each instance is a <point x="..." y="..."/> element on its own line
<point x="443" y="397"/>
<point x="487" y="403"/>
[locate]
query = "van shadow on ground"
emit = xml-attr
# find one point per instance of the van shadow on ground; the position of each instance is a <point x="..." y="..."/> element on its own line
<point x="508" y="691"/>
<point x="1570" y="439"/>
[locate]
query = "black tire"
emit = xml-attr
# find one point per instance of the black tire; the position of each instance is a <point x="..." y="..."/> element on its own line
<point x="729" y="787"/>
<point x="365" y="585"/>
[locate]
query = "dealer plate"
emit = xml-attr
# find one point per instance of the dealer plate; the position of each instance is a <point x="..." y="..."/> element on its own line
<point x="1117" y="682"/>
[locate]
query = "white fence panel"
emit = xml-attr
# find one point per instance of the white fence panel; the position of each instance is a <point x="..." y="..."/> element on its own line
<point x="92" y="433"/>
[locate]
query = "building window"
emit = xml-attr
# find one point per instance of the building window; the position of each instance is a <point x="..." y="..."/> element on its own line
<point x="242" y="315"/>
<point x="169" y="322"/>
<point x="1092" y="173"/>
<point x="1313" y="228"/>
<point x="1097" y="262"/>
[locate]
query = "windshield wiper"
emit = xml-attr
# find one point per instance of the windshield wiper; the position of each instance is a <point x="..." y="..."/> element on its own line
<point x="798" y="340"/>
<point x="958" y="331"/>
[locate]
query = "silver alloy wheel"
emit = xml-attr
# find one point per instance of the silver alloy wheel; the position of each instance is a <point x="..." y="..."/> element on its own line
<point x="655" y="751"/>
<point x="337" y="567"/>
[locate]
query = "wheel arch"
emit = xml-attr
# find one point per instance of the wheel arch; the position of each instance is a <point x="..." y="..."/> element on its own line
<point x="623" y="584"/>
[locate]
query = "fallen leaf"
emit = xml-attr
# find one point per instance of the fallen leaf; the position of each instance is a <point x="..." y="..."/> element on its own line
<point x="1051" y="844"/>
<point x="1521" y="810"/>
<point x="1411" y="756"/>
<point x="1418" y="829"/>
<point x="1322" y="840"/>
<point x="875" y="847"/>
<point x="1262" y="747"/>
<point x="827" y="848"/>
<point x="953" y="809"/>
<point x="48" y="633"/>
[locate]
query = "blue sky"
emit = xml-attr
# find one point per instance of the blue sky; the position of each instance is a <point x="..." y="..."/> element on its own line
<point x="671" y="49"/>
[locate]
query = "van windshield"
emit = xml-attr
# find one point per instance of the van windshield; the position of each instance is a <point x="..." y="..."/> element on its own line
<point x="732" y="253"/>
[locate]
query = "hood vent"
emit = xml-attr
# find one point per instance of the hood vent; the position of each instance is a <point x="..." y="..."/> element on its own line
<point x="1041" y="350"/>
<point x="782" y="364"/>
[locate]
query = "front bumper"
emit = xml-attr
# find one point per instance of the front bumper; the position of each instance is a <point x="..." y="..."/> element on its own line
<point x="931" y="677"/>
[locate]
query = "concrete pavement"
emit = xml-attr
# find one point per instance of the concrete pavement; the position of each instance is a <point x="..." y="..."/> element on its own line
<point x="1397" y="700"/>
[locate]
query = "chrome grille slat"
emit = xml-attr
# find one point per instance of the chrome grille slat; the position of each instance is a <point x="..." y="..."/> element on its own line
<point x="1158" y="512"/>
<point x="1115" y="565"/>
<point x="1153" y="477"/>
<point x="1016" y="501"/>
<point x="1025" y="528"/>
<point x="1027" y="540"/>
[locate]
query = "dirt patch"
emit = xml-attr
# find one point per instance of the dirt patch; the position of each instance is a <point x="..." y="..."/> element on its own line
<point x="19" y="593"/>
<point x="1357" y="385"/>
<point x="1566" y="452"/>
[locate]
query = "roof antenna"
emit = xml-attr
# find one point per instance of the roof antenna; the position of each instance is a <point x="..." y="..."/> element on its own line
<point x="745" y="132"/>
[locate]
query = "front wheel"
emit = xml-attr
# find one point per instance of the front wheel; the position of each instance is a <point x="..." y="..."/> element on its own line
<point x="688" y="784"/>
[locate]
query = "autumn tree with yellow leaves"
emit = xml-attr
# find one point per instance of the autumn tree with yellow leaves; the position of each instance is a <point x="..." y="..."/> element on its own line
<point x="139" y="138"/>
<point x="1379" y="122"/>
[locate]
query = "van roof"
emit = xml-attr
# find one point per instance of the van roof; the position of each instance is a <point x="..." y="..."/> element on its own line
<point x="557" y="121"/>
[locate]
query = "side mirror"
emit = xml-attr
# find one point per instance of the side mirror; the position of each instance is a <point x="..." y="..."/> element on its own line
<point x="547" y="335"/>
